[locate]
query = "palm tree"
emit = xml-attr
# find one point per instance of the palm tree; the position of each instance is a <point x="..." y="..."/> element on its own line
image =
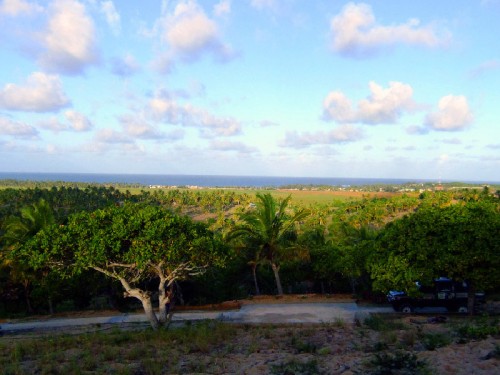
<point x="18" y="230"/>
<point x="270" y="230"/>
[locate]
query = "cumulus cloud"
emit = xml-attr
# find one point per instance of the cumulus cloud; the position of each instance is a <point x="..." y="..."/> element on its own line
<point x="138" y="128"/>
<point x="69" y="39"/>
<point x="17" y="129"/>
<point x="263" y="4"/>
<point x="124" y="66"/>
<point x="342" y="134"/>
<point x="78" y="122"/>
<point x="40" y="93"/>
<point x="75" y="121"/>
<point x="453" y="114"/>
<point x="113" y="137"/>
<point x="355" y="32"/>
<point x="190" y="33"/>
<point x="112" y="16"/>
<point x="484" y="68"/>
<point x="222" y="8"/>
<point x="53" y="124"/>
<point x="163" y="64"/>
<point x="452" y="141"/>
<point x="383" y="106"/>
<point x="415" y="129"/>
<point x="225" y="145"/>
<point x="170" y="111"/>
<point x="14" y="8"/>
<point x="267" y="123"/>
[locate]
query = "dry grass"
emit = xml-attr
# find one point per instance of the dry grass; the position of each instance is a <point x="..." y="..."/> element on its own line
<point x="212" y="347"/>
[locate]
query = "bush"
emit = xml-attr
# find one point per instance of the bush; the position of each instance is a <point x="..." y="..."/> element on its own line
<point x="399" y="362"/>
<point x="296" y="368"/>
<point x="303" y="347"/>
<point x="479" y="330"/>
<point x="432" y="341"/>
<point x="379" y="323"/>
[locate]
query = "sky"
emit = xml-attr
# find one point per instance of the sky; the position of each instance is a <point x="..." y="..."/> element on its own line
<point x="310" y="88"/>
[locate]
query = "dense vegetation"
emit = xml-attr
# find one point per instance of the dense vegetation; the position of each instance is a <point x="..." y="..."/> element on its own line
<point x="75" y="247"/>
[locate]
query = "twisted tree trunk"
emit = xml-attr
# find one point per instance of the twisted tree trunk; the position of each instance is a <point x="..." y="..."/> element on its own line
<point x="147" y="305"/>
<point x="141" y="295"/>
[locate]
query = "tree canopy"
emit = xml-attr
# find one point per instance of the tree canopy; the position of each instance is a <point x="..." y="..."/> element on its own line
<point x="131" y="244"/>
<point x="460" y="241"/>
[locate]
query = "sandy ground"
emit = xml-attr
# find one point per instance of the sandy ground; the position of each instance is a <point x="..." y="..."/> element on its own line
<point x="328" y="348"/>
<point x="337" y="349"/>
<point x="333" y="347"/>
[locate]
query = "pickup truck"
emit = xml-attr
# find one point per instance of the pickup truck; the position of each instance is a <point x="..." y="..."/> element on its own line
<point x="444" y="292"/>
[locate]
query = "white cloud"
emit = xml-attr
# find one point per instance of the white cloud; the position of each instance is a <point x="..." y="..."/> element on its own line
<point x="53" y="124"/>
<point x="453" y="114"/>
<point x="415" y="129"/>
<point x="355" y="32"/>
<point x="69" y="39"/>
<point x="78" y="122"/>
<point x="383" y="106"/>
<point x="167" y="110"/>
<point x="336" y="106"/>
<point x="225" y="145"/>
<point x="190" y="33"/>
<point x="163" y="64"/>
<point x="139" y="128"/>
<point x="17" y="129"/>
<point x="452" y="141"/>
<point x="262" y="4"/>
<point x="75" y="121"/>
<point x="443" y="159"/>
<point x="112" y="16"/>
<point x="124" y="66"/>
<point x="112" y="136"/>
<point x="267" y="123"/>
<point x="14" y="8"/>
<point x="341" y="134"/>
<point x="41" y="93"/>
<point x="485" y="67"/>
<point x="222" y="8"/>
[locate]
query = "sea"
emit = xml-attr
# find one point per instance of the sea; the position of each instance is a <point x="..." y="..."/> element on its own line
<point x="205" y="180"/>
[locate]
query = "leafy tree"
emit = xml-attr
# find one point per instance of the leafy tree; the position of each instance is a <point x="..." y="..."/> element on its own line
<point x="268" y="231"/>
<point x="460" y="241"/>
<point x="17" y="231"/>
<point x="354" y="246"/>
<point x="131" y="244"/>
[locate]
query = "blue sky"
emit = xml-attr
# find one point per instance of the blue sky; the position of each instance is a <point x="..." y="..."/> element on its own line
<point x="324" y="88"/>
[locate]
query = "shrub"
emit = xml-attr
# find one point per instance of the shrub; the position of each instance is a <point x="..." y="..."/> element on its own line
<point x="379" y="323"/>
<point x="303" y="347"/>
<point x="477" y="331"/>
<point x="294" y="367"/>
<point x="432" y="341"/>
<point x="399" y="362"/>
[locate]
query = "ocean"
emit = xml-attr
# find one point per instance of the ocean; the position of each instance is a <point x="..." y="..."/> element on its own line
<point x="203" y="180"/>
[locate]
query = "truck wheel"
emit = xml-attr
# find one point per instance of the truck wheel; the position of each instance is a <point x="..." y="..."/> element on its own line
<point x="463" y="310"/>
<point x="407" y="309"/>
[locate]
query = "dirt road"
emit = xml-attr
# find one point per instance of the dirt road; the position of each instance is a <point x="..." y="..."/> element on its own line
<point x="251" y="314"/>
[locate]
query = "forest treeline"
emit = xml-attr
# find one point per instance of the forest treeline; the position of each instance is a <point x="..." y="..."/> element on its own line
<point x="72" y="248"/>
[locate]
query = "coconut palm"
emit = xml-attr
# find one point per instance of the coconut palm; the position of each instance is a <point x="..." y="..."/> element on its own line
<point x="269" y="228"/>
